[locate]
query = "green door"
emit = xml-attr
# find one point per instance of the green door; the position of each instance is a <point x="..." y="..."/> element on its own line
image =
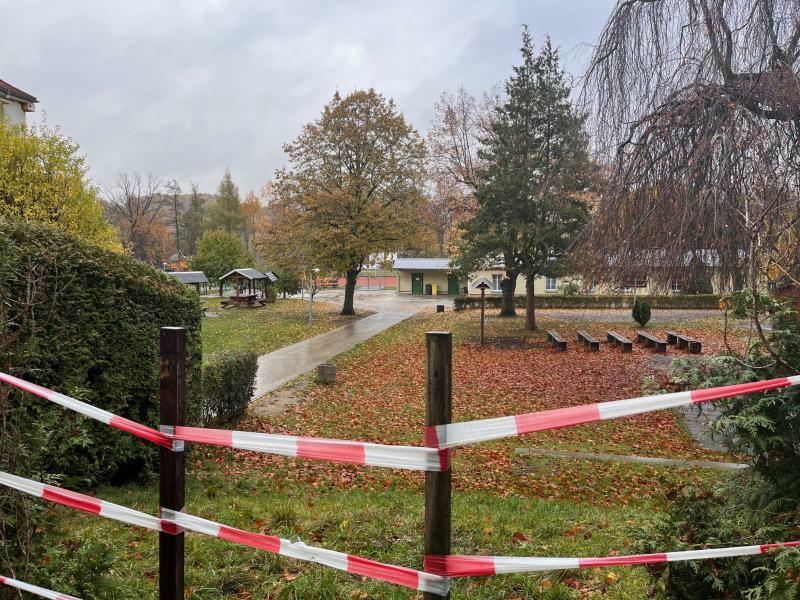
<point x="452" y="285"/>
<point x="416" y="283"/>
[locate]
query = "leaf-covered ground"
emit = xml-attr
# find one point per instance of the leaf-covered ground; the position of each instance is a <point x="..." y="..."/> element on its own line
<point x="266" y="328"/>
<point x="503" y="503"/>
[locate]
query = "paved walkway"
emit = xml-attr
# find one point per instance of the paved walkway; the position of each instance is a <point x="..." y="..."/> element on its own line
<point x="281" y="366"/>
<point x="602" y="456"/>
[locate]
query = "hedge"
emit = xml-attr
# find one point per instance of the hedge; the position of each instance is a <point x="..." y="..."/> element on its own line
<point x="85" y="321"/>
<point x="228" y="383"/>
<point x="589" y="301"/>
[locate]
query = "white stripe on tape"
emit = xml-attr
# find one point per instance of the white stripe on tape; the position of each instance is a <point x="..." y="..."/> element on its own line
<point x="510" y="564"/>
<point x="34" y="488"/>
<point x="34" y="589"/>
<point x="624" y="408"/>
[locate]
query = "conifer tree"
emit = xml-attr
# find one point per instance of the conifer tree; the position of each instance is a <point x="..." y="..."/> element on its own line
<point x="226" y="211"/>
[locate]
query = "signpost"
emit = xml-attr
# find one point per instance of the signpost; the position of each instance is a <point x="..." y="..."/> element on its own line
<point x="483" y="284"/>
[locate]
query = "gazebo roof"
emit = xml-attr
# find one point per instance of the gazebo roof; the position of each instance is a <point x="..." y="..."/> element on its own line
<point x="251" y="274"/>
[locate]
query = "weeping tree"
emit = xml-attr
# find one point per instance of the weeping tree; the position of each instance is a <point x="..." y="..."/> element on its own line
<point x="696" y="110"/>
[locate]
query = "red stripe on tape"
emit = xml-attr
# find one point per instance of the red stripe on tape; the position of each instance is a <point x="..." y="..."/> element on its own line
<point x="170" y="527"/>
<point x="768" y="547"/>
<point x="2" y="579"/>
<point x="727" y="391"/>
<point x="142" y="431"/>
<point x="254" y="540"/>
<point x="375" y="570"/>
<point x="445" y="458"/>
<point x="431" y="437"/>
<point x="26" y="386"/>
<point x="459" y="566"/>
<point x="559" y="417"/>
<point x="614" y="561"/>
<point x="72" y="499"/>
<point x="332" y="451"/>
<point x="215" y="437"/>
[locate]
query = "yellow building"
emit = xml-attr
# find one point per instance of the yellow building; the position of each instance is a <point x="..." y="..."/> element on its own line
<point x="427" y="276"/>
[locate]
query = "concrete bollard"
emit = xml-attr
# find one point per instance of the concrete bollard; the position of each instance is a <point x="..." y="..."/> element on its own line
<point x="439" y="308"/>
<point x="326" y="373"/>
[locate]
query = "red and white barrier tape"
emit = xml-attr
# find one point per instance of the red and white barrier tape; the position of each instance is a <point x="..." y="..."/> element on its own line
<point x="471" y="432"/>
<point x="415" y="458"/>
<point x="173" y="522"/>
<point x="90" y="411"/>
<point x="475" y="566"/>
<point x="34" y="589"/>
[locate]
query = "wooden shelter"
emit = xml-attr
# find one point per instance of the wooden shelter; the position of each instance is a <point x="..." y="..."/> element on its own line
<point x="249" y="285"/>
<point x="196" y="279"/>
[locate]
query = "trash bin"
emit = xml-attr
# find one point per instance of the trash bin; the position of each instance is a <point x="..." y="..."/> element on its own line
<point x="434" y="289"/>
<point x="428" y="289"/>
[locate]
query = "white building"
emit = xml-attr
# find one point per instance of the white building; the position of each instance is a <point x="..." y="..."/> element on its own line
<point x="14" y="103"/>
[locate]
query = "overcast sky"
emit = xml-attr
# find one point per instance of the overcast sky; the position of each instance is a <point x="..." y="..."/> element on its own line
<point x="183" y="89"/>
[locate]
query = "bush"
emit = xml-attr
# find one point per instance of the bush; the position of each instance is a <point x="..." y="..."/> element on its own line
<point x="571" y="288"/>
<point x="228" y="379"/>
<point x="83" y="321"/>
<point x="590" y="301"/>
<point x="641" y="311"/>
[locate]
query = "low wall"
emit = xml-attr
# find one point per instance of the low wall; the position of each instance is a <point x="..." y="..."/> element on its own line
<point x="581" y="301"/>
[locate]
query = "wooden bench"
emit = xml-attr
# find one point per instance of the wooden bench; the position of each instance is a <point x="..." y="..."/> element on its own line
<point x="590" y="342"/>
<point x="558" y="342"/>
<point x="684" y="341"/>
<point x="619" y="340"/>
<point x="651" y="341"/>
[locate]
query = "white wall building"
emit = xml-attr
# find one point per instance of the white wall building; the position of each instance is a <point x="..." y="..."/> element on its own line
<point x="14" y="103"/>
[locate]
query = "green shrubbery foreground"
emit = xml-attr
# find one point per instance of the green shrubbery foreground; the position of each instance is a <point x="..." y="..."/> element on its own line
<point x="589" y="301"/>
<point x="83" y="321"/>
<point x="228" y="385"/>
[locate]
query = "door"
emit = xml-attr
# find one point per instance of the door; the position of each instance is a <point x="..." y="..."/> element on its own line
<point x="416" y="283"/>
<point x="452" y="285"/>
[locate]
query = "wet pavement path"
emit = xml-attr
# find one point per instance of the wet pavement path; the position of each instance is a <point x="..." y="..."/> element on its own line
<point x="281" y="366"/>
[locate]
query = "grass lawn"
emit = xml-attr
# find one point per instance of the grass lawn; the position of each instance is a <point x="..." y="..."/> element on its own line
<point x="267" y="328"/>
<point x="504" y="504"/>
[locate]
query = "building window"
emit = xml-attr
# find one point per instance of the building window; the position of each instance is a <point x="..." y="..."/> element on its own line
<point x="675" y="287"/>
<point x="550" y="284"/>
<point x="496" y="279"/>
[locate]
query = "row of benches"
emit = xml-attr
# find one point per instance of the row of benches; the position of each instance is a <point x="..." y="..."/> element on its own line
<point x="618" y="340"/>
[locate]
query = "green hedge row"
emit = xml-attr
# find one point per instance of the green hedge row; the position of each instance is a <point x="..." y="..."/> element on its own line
<point x="588" y="301"/>
<point x="228" y="383"/>
<point x="85" y="321"/>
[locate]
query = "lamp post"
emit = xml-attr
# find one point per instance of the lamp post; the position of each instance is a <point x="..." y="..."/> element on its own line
<point x="311" y="277"/>
<point x="483" y="284"/>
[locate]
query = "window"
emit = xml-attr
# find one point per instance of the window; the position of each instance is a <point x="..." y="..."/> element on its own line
<point x="675" y="287"/>
<point x="550" y="284"/>
<point x="496" y="279"/>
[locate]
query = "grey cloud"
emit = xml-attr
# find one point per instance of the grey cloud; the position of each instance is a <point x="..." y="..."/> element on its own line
<point x="184" y="89"/>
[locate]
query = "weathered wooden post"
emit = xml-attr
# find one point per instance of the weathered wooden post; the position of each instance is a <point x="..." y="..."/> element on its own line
<point x="172" y="472"/>
<point x="438" y="411"/>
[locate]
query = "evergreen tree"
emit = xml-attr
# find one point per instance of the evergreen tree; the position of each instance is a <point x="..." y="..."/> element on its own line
<point x="226" y="212"/>
<point x="535" y="163"/>
<point x="194" y="220"/>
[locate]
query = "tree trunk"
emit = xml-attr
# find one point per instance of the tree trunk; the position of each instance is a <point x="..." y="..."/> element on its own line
<point x="530" y="307"/>
<point x="508" y="285"/>
<point x="349" y="292"/>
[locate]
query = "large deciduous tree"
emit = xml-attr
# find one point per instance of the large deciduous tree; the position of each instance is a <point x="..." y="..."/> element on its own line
<point x="535" y="165"/>
<point x="354" y="185"/>
<point x="219" y="252"/>
<point x="136" y="206"/>
<point x="696" y="105"/>
<point x="43" y="179"/>
<point x="194" y="219"/>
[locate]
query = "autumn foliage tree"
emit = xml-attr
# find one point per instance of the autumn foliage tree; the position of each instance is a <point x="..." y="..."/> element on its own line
<point x="354" y="184"/>
<point x="43" y="179"/>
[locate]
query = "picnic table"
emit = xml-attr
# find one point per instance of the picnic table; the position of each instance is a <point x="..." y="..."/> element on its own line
<point x="243" y="300"/>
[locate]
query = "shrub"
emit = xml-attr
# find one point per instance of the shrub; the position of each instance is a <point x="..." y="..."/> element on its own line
<point x="228" y="379"/>
<point x="641" y="311"/>
<point x="571" y="288"/>
<point x="590" y="301"/>
<point x="83" y="321"/>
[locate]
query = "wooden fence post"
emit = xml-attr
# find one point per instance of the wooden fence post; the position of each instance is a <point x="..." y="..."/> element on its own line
<point x="172" y="472"/>
<point x="438" y="411"/>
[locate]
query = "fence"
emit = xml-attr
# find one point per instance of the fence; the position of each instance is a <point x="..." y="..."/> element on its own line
<point x="441" y="436"/>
